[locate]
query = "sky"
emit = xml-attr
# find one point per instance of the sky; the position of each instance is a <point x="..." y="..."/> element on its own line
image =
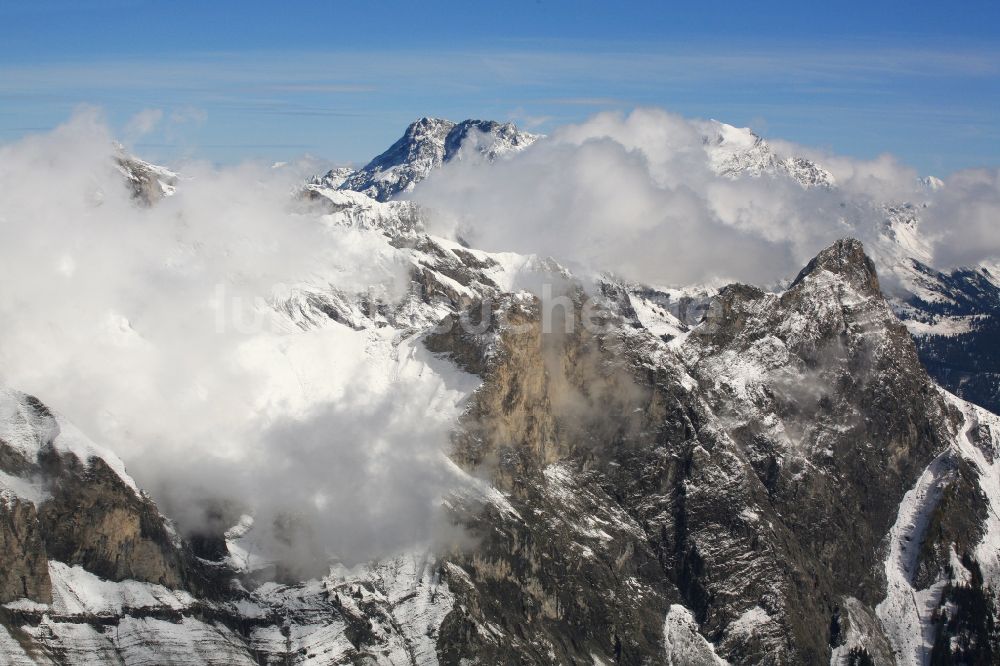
<point x="227" y="81"/>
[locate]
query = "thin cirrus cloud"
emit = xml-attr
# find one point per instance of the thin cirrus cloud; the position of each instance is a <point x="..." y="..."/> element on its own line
<point x="322" y="88"/>
<point x="891" y="94"/>
<point x="308" y="72"/>
<point x="583" y="101"/>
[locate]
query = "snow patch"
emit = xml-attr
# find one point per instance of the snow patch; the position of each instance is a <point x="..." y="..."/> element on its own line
<point x="944" y="326"/>
<point x="749" y="622"/>
<point x="76" y="591"/>
<point x="683" y="645"/>
<point x="906" y="613"/>
<point x="988" y="425"/>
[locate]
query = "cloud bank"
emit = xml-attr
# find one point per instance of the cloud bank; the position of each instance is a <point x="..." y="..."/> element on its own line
<point x="636" y="194"/>
<point x="964" y="221"/>
<point x="149" y="328"/>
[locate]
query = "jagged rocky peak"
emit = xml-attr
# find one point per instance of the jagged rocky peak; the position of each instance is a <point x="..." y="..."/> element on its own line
<point x="426" y="145"/>
<point x="738" y="151"/>
<point x="820" y="390"/>
<point x="845" y="258"/>
<point x="490" y="138"/>
<point x="149" y="182"/>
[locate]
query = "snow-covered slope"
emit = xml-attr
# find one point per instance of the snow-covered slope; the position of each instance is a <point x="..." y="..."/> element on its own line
<point x="27" y="427"/>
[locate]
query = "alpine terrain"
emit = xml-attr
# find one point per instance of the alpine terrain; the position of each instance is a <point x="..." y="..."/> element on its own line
<point x="801" y="473"/>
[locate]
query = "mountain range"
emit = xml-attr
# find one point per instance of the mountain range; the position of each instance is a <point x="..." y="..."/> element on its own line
<point x="803" y="474"/>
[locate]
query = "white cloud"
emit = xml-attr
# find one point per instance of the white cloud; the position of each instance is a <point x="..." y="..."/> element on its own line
<point x="111" y="315"/>
<point x="143" y="123"/>
<point x="964" y="220"/>
<point x="635" y="193"/>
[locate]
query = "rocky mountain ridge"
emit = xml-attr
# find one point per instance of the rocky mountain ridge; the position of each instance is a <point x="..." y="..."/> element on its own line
<point x="736" y="152"/>
<point x="427" y="144"/>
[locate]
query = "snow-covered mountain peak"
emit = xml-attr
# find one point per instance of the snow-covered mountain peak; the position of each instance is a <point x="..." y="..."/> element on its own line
<point x="735" y="138"/>
<point x="932" y="183"/>
<point x="847" y="259"/>
<point x="738" y="151"/>
<point x="149" y="182"/>
<point x="427" y="144"/>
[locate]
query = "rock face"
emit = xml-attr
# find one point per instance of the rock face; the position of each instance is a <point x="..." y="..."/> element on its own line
<point x="25" y="572"/>
<point x="94" y="520"/>
<point x="714" y="476"/>
<point x="822" y="389"/>
<point x="64" y="499"/>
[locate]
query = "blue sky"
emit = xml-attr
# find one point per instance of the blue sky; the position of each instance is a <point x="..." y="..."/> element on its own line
<point x="340" y="80"/>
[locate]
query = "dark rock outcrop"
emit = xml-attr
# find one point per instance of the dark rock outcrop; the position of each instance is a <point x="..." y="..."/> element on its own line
<point x="24" y="564"/>
<point x="93" y="519"/>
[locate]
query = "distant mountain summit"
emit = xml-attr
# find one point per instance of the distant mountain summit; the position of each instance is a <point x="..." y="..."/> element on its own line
<point x="737" y="151"/>
<point x="148" y="182"/>
<point x="426" y="145"/>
